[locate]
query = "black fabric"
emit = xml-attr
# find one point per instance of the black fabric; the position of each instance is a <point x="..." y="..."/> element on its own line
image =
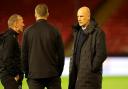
<point x="91" y="57"/>
<point x="2" y="42"/>
<point x="42" y="51"/>
<point x="10" y="62"/>
<point x="49" y="83"/>
<point x="10" y="83"/>
<point x="81" y="37"/>
<point x="11" y="53"/>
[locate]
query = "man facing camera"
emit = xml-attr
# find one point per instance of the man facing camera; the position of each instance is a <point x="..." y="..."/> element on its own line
<point x="89" y="53"/>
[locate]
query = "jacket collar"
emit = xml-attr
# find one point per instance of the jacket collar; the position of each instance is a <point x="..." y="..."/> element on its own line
<point x="11" y="31"/>
<point x="89" y="29"/>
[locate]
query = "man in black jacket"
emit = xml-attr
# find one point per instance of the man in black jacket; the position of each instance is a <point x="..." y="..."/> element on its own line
<point x="12" y="75"/>
<point x="89" y="53"/>
<point x="42" y="52"/>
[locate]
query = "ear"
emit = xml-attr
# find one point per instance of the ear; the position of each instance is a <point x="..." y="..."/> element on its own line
<point x="35" y="14"/>
<point x="47" y="14"/>
<point x="14" y="24"/>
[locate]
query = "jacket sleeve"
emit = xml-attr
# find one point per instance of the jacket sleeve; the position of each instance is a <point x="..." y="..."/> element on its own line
<point x="60" y="52"/>
<point x="24" y="55"/>
<point x="10" y="60"/>
<point x="100" y="52"/>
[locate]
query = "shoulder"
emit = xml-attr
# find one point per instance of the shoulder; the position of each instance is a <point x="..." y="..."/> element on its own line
<point x="29" y="29"/>
<point x="98" y="34"/>
<point x="52" y="28"/>
<point x="96" y="28"/>
<point x="10" y="39"/>
<point x="99" y="31"/>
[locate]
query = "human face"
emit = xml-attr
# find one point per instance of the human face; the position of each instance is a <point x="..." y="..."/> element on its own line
<point x="19" y="25"/>
<point x="83" y="16"/>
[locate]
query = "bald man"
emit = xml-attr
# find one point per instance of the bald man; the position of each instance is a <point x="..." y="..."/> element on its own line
<point x="89" y="53"/>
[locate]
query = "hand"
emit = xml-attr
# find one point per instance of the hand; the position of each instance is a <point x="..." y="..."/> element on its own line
<point x="17" y="77"/>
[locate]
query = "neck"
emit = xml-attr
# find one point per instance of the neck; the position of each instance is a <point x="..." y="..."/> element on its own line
<point x="83" y="28"/>
<point x="14" y="29"/>
<point x="45" y="18"/>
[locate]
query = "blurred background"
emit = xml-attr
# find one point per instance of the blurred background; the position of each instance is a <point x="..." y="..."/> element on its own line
<point x="111" y="15"/>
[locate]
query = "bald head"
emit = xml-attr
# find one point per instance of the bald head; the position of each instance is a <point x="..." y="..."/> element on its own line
<point x="83" y="16"/>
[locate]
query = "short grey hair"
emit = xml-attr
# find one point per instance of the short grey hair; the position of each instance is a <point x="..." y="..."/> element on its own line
<point x="12" y="19"/>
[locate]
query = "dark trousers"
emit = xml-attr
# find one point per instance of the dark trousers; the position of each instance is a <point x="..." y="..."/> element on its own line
<point x="10" y="83"/>
<point x="49" y="83"/>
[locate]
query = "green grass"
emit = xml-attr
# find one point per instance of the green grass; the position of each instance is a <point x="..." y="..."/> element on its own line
<point x="119" y="82"/>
